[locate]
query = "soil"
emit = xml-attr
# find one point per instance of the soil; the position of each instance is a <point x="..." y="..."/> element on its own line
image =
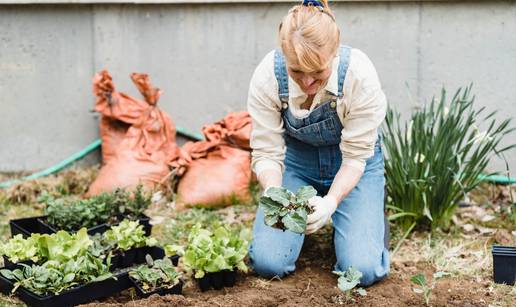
<point x="313" y="284"/>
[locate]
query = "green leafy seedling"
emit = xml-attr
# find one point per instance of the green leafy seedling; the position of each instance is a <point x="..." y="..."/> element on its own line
<point x="223" y="248"/>
<point x="424" y="288"/>
<point x="348" y="280"/>
<point x="286" y="210"/>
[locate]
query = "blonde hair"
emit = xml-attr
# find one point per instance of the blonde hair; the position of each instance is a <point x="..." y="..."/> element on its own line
<point x="310" y="35"/>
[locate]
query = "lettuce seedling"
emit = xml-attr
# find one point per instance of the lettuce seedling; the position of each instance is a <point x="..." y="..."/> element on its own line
<point x="20" y="249"/>
<point x="286" y="210"/>
<point x="222" y="249"/>
<point x="127" y="235"/>
<point x="60" y="246"/>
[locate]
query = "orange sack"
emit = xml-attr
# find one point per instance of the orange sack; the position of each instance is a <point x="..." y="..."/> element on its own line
<point x="138" y="139"/>
<point x="216" y="172"/>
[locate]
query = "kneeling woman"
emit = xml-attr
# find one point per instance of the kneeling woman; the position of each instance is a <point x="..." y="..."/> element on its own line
<point x="316" y="108"/>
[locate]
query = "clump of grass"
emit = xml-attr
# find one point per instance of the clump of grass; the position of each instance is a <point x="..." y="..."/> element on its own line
<point x="437" y="157"/>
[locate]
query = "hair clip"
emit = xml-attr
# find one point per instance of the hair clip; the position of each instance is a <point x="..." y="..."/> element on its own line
<point x="315" y="3"/>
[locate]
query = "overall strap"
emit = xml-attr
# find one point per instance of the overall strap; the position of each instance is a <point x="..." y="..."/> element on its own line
<point x="280" y="70"/>
<point x="345" y="52"/>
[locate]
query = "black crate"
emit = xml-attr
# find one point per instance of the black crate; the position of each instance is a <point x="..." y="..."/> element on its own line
<point x="38" y="224"/>
<point x="504" y="264"/>
<point x="28" y="226"/>
<point x="177" y="289"/>
<point x="75" y="296"/>
<point x="217" y="280"/>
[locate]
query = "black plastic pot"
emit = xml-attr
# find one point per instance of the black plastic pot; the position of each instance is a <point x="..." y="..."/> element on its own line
<point x="177" y="289"/>
<point x="28" y="226"/>
<point x="75" y="296"/>
<point x="504" y="264"/>
<point x="217" y="280"/>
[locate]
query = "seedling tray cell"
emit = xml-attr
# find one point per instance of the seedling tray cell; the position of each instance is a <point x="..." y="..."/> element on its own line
<point x="217" y="280"/>
<point x="177" y="289"/>
<point x="28" y="226"/>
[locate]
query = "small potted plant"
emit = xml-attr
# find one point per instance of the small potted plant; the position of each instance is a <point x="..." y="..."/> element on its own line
<point x="126" y="242"/>
<point x="156" y="277"/>
<point x="286" y="210"/>
<point x="215" y="256"/>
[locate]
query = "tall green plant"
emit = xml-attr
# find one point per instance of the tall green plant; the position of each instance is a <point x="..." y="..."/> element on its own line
<point x="437" y="157"/>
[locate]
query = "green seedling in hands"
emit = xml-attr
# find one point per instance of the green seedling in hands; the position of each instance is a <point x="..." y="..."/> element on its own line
<point x="286" y="210"/>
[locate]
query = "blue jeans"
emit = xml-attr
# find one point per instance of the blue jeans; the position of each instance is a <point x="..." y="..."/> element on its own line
<point x="358" y="222"/>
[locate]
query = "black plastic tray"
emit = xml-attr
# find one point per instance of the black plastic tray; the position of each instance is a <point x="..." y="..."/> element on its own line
<point x="38" y="224"/>
<point x="137" y="256"/>
<point x="11" y="265"/>
<point x="28" y="226"/>
<point x="217" y="280"/>
<point x="75" y="296"/>
<point x="504" y="264"/>
<point x="177" y="289"/>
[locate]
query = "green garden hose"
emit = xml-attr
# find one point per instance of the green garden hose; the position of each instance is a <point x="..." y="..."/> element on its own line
<point x="81" y="154"/>
<point x="182" y="131"/>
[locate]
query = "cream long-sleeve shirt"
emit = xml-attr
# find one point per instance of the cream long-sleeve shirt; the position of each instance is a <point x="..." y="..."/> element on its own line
<point x="361" y="111"/>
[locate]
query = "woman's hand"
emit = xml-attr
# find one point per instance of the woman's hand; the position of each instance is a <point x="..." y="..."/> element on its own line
<point x="324" y="207"/>
<point x="346" y="179"/>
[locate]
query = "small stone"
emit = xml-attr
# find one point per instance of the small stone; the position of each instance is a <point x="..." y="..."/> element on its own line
<point x="487" y="218"/>
<point x="468" y="227"/>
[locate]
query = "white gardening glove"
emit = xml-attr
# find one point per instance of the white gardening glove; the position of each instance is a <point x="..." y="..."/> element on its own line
<point x="323" y="208"/>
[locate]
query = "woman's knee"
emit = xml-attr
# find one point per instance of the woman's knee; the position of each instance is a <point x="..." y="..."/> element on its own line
<point x="269" y="264"/>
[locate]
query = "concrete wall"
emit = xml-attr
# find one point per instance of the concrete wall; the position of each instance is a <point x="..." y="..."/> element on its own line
<point x="203" y="55"/>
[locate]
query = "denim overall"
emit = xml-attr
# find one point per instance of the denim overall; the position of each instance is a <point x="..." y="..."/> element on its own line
<point x="313" y="157"/>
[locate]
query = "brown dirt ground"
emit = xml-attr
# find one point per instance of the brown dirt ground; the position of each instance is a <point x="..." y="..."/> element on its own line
<point x="313" y="284"/>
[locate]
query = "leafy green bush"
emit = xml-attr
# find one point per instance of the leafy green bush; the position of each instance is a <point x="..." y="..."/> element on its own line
<point x="155" y="274"/>
<point x="437" y="157"/>
<point x="222" y="249"/>
<point x="286" y="210"/>
<point x="103" y="208"/>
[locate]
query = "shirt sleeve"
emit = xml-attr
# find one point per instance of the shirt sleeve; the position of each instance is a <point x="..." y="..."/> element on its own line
<point x="264" y="107"/>
<point x="364" y="113"/>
